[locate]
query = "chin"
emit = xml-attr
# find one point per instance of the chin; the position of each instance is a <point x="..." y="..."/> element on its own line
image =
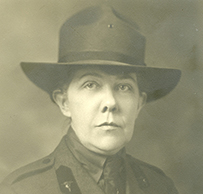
<point x="109" y="148"/>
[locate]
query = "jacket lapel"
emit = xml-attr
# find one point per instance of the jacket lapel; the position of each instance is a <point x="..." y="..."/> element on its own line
<point x="132" y="186"/>
<point x="66" y="180"/>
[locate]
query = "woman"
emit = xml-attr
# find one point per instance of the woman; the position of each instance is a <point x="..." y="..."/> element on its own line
<point x="100" y="83"/>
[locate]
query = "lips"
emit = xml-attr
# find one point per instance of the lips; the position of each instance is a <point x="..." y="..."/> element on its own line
<point x="108" y="126"/>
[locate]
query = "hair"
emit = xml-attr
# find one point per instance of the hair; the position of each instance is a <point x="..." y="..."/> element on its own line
<point x="64" y="80"/>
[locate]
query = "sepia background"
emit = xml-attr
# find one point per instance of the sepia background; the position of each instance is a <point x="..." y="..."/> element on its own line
<point x="169" y="132"/>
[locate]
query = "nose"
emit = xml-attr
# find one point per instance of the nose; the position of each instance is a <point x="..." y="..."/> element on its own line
<point x="109" y="102"/>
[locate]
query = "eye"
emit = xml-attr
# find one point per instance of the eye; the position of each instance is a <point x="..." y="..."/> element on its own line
<point x="91" y="85"/>
<point x="124" y="87"/>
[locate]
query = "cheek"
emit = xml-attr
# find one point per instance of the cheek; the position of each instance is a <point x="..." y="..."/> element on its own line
<point x="129" y="107"/>
<point x="130" y="113"/>
<point x="82" y="107"/>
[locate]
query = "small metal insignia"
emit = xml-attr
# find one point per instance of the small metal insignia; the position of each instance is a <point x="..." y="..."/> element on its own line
<point x="110" y="26"/>
<point x="67" y="185"/>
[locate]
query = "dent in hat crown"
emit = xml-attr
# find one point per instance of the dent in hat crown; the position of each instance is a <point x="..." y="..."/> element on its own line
<point x="100" y="33"/>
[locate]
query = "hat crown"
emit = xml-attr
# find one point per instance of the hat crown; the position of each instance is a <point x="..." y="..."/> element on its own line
<point x="101" y="33"/>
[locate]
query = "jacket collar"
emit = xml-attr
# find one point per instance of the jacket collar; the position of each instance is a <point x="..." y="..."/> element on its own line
<point x="91" y="161"/>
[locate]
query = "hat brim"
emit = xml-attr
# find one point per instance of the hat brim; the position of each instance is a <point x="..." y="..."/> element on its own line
<point x="156" y="82"/>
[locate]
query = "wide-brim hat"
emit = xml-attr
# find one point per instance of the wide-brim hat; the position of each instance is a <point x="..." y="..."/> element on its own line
<point x="100" y="36"/>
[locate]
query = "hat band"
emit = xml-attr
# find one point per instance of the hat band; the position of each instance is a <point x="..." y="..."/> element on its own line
<point x="100" y="56"/>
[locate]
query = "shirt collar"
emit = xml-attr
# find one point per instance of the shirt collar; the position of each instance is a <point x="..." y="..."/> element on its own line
<point x="91" y="161"/>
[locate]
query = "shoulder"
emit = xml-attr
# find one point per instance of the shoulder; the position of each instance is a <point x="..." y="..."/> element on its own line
<point x="37" y="177"/>
<point x="134" y="163"/>
<point x="29" y="178"/>
<point x="151" y="178"/>
<point x="30" y="170"/>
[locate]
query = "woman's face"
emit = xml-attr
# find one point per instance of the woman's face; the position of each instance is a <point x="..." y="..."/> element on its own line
<point x="103" y="108"/>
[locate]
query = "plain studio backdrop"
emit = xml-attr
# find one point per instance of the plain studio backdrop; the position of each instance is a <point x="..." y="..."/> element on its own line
<point x="168" y="132"/>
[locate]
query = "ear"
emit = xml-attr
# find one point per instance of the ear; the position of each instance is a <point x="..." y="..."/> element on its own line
<point x="61" y="100"/>
<point x="142" y="100"/>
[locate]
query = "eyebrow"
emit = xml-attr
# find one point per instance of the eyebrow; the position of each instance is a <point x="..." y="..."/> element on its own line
<point x="125" y="76"/>
<point x="90" y="74"/>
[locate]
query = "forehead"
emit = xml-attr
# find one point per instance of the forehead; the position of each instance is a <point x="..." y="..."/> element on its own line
<point x="103" y="72"/>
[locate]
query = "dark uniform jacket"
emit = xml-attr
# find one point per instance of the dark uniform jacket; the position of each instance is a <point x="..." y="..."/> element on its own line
<point x="60" y="172"/>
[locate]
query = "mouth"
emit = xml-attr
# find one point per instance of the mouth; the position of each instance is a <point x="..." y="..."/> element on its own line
<point x="108" y="126"/>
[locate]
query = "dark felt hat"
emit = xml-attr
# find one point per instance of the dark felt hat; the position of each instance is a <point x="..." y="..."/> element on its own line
<point x="101" y="36"/>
